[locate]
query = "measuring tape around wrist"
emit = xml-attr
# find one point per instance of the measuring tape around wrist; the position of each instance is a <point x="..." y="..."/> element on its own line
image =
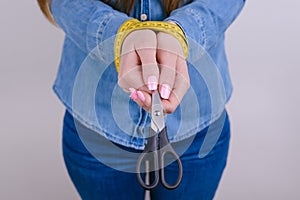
<point x="133" y="24"/>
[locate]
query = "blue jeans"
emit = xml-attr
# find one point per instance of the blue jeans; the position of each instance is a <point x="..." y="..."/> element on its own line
<point x="101" y="172"/>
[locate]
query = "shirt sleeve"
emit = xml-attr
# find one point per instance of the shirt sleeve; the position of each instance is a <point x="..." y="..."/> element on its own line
<point x="88" y="23"/>
<point x="204" y="21"/>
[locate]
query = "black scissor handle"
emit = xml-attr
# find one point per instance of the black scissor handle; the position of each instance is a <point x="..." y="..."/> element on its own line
<point x="162" y="171"/>
<point x="149" y="154"/>
<point x="152" y="157"/>
<point x="166" y="148"/>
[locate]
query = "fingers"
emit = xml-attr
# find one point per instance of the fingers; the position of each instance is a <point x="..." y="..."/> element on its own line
<point x="150" y="70"/>
<point x="170" y="105"/>
<point x="130" y="75"/>
<point x="177" y="94"/>
<point x="168" y="50"/>
<point x="138" y="66"/>
<point x="182" y="81"/>
<point x="174" y="78"/>
<point x="140" y="74"/>
<point x="167" y="73"/>
<point x="169" y="43"/>
<point x="142" y="98"/>
<point x="181" y="85"/>
<point x="146" y="50"/>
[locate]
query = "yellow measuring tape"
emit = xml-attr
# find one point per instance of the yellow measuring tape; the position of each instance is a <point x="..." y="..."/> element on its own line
<point x="134" y="24"/>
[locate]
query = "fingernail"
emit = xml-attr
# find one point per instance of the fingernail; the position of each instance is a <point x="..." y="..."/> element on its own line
<point x="133" y="94"/>
<point x="165" y="91"/>
<point x="152" y="83"/>
<point x="141" y="96"/>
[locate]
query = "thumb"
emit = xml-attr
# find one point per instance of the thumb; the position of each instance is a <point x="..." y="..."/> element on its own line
<point x="146" y="50"/>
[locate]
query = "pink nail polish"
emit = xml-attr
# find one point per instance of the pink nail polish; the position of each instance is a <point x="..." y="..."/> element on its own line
<point x="133" y="94"/>
<point x="165" y="91"/>
<point x="141" y="96"/>
<point x="152" y="83"/>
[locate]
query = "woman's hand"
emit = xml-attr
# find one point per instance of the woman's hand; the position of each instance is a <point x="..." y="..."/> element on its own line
<point x="174" y="79"/>
<point x="139" y="71"/>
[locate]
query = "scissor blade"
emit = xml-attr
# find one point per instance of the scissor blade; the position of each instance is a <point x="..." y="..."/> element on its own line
<point x="156" y="99"/>
<point x="157" y="115"/>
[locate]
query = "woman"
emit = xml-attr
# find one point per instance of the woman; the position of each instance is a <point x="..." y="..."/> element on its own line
<point x="104" y="131"/>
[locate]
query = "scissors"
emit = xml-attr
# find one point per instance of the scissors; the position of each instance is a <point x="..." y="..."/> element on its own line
<point x="156" y="150"/>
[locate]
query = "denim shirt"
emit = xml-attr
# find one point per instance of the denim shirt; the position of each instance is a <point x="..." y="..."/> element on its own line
<point x="86" y="81"/>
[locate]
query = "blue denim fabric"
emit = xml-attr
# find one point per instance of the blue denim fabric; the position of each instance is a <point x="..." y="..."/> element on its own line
<point x="89" y="160"/>
<point x="86" y="81"/>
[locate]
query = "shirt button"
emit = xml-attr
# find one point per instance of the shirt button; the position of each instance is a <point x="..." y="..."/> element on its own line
<point x="144" y="17"/>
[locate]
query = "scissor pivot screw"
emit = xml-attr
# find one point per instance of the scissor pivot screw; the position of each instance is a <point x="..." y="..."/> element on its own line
<point x="157" y="113"/>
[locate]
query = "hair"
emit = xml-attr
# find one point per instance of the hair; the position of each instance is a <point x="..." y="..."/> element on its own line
<point x="121" y="5"/>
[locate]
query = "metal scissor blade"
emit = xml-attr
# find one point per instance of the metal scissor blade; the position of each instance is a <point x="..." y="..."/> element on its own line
<point x="157" y="115"/>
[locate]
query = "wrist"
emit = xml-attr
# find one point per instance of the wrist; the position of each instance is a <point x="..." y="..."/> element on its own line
<point x="131" y="25"/>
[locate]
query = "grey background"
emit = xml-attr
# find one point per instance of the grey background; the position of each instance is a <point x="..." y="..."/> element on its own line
<point x="263" y="51"/>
